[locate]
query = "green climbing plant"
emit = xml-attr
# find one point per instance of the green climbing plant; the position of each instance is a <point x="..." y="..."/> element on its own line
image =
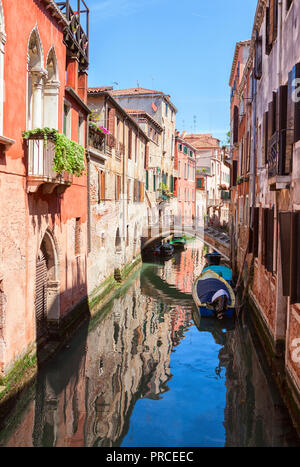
<point x="69" y="155"/>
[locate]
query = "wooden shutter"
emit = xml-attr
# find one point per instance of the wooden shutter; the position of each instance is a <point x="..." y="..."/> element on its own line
<point x="271" y="31"/>
<point x="251" y="233"/>
<point x="297" y="108"/>
<point x="265" y="137"/>
<point x="282" y="125"/>
<point x="270" y="240"/>
<point x="129" y="143"/>
<point x="234" y="172"/>
<point x="264" y="236"/>
<point x="235" y="124"/>
<point x="103" y="186"/>
<point x="268" y="47"/>
<point x="255" y="232"/>
<point x="285" y="223"/>
<point x="41" y="295"/>
<point x="295" y="274"/>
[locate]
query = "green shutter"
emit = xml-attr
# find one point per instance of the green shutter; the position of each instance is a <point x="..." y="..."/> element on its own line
<point x="147" y="180"/>
<point x="154" y="183"/>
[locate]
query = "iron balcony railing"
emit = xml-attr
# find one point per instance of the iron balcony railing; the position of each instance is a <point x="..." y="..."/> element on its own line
<point x="76" y="36"/>
<point x="280" y="153"/>
<point x="40" y="165"/>
<point x="96" y="139"/>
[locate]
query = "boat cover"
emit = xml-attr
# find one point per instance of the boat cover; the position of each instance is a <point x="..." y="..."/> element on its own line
<point x="207" y="285"/>
<point x="222" y="271"/>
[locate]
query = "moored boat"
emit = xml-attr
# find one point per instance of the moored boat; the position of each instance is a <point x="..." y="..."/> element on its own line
<point x="213" y="293"/>
<point x="165" y="250"/>
<point x="178" y="241"/>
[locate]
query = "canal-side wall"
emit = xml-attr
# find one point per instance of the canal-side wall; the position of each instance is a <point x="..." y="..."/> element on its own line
<point x="23" y="370"/>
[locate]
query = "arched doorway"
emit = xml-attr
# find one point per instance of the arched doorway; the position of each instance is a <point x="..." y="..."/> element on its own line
<point x="47" y="287"/>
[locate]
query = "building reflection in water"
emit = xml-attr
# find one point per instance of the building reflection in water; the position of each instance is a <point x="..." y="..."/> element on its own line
<point x="86" y="395"/>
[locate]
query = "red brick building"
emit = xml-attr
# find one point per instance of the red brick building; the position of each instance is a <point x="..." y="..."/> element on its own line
<point x="43" y="216"/>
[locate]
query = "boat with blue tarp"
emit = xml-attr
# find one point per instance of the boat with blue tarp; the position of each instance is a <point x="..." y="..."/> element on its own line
<point x="213" y="292"/>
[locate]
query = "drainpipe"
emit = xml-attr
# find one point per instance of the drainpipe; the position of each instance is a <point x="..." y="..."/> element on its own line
<point x="279" y="43"/>
<point x="88" y="158"/>
<point x="254" y="112"/>
<point x="124" y="200"/>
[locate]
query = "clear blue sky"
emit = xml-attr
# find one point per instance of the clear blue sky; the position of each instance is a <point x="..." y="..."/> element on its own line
<point x="183" y="48"/>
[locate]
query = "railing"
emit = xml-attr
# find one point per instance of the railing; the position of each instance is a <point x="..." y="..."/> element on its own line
<point x="273" y="153"/>
<point x="40" y="165"/>
<point x="74" y="34"/>
<point x="96" y="139"/>
<point x="278" y="147"/>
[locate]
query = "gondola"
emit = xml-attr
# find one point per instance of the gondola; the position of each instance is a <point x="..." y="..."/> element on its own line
<point x="213" y="293"/>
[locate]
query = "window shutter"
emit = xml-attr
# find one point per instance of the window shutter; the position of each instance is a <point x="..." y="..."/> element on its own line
<point x="234" y="172"/>
<point x="282" y="125"/>
<point x="265" y="138"/>
<point x="285" y="222"/>
<point x="290" y="122"/>
<point x="268" y="46"/>
<point x="297" y="109"/>
<point x="235" y="124"/>
<point x="258" y="58"/>
<point x="270" y="240"/>
<point x="295" y="276"/>
<point x="264" y="236"/>
<point x="255" y="232"/>
<point x="271" y="30"/>
<point x="129" y="144"/>
<point x="250" y="233"/>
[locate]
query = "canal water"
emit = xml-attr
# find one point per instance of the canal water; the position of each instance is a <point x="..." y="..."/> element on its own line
<point x="147" y="371"/>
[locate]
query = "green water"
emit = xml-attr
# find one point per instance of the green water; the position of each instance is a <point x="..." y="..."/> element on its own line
<point x="147" y="371"/>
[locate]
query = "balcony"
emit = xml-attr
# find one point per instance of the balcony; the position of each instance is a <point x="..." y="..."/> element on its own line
<point x="278" y="173"/>
<point x="75" y="36"/>
<point x="40" y="167"/>
<point x="96" y="139"/>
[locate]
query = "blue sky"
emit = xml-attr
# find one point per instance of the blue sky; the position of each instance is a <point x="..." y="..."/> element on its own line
<point x="183" y="48"/>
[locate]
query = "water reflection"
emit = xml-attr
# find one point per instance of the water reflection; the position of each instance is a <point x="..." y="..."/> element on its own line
<point x="147" y="371"/>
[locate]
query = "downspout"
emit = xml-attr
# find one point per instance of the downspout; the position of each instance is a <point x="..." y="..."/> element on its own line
<point x="124" y="199"/>
<point x="88" y="158"/>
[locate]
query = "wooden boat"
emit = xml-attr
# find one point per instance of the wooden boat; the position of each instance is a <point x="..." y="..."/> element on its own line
<point x="178" y="242"/>
<point x="212" y="280"/>
<point x="166" y="250"/>
<point x="213" y="259"/>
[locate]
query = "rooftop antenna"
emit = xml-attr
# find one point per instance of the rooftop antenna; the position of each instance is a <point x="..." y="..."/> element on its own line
<point x="195" y="123"/>
<point x="117" y="84"/>
<point x="138" y="84"/>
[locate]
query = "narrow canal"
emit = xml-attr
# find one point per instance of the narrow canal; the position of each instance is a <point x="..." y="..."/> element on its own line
<point x="146" y="371"/>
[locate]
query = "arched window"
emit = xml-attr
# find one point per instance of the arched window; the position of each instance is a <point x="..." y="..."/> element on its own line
<point x="51" y="91"/>
<point x="2" y="44"/>
<point x="36" y="75"/>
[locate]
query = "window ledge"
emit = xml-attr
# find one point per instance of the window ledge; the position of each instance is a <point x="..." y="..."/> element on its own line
<point x="7" y="142"/>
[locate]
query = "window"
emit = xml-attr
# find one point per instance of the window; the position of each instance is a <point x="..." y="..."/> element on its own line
<point x="166" y="110"/>
<point x="101" y="186"/>
<point x="81" y="130"/>
<point x="180" y="147"/>
<point x="147" y="180"/>
<point x="67" y="120"/>
<point x="185" y="149"/>
<point x="288" y="4"/>
<point x="117" y="187"/>
<point x="179" y="163"/>
<point x="129" y="143"/>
